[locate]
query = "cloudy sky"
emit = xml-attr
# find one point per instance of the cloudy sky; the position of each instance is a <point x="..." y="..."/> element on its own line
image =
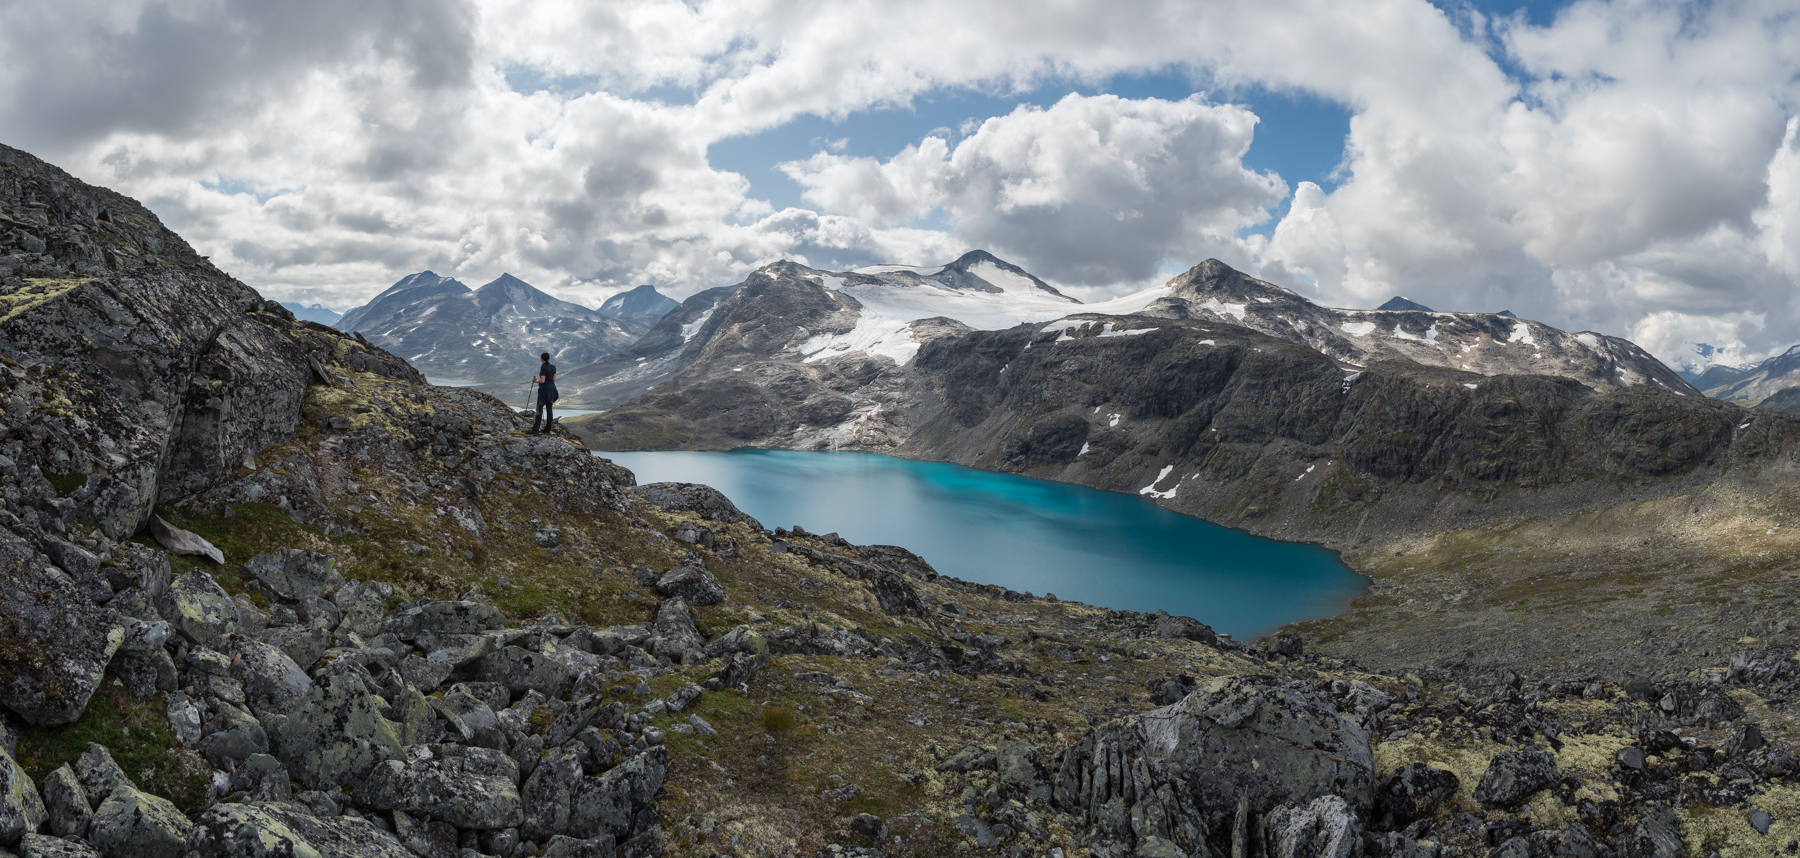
<point x="1628" y="167"/>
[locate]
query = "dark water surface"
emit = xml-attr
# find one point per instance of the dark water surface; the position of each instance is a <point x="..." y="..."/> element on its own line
<point x="1091" y="546"/>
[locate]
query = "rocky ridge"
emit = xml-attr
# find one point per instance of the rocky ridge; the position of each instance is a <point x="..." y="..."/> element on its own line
<point x="1766" y="384"/>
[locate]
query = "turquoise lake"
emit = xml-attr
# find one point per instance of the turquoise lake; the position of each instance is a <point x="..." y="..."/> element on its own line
<point x="1091" y="546"/>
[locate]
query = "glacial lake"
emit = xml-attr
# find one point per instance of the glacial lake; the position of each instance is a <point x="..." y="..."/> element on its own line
<point x="1102" y="548"/>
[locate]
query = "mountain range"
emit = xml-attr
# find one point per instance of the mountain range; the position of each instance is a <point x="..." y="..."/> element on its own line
<point x="494" y="334"/>
<point x="1773" y="383"/>
<point x="313" y="313"/>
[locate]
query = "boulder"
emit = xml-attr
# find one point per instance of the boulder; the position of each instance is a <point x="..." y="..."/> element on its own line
<point x="336" y="735"/>
<point x="198" y="607"/>
<point x="741" y="639"/>
<point x="673" y="636"/>
<point x="1184" y="768"/>
<point x="691" y="584"/>
<point x="67" y="803"/>
<point x="1016" y="761"/>
<point x="561" y="846"/>
<point x="521" y="670"/>
<point x="99" y="775"/>
<point x="1325" y="828"/>
<point x="1514" y="775"/>
<point x="469" y="788"/>
<point x="22" y="812"/>
<point x="294" y="574"/>
<point x="135" y="824"/>
<point x="1411" y="793"/>
<point x="272" y="681"/>
<point x="54" y="643"/>
<point x="611" y="803"/>
<point x="443" y="618"/>
<point x="179" y="541"/>
<point x="363" y="606"/>
<point x="707" y="502"/>
<point x="45" y="846"/>
<point x="1171" y="627"/>
<point x="283" y="830"/>
<point x="1657" y="834"/>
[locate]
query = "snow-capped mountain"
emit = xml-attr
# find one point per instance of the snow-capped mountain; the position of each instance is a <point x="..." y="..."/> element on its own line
<point x="490" y="334"/>
<point x="1751" y="384"/>
<point x="644" y="303"/>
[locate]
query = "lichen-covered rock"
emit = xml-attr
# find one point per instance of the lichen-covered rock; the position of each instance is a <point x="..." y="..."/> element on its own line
<point x="470" y="716"/>
<point x="469" y="788"/>
<point x="295" y="574"/>
<point x="21" y="809"/>
<point x="135" y="824"/>
<point x="336" y="735"/>
<point x="522" y="670"/>
<point x="1171" y="627"/>
<point x="67" y="804"/>
<point x="707" y="502"/>
<point x="442" y="618"/>
<point x="45" y="846"/>
<point x="691" y="584"/>
<point x="1326" y="827"/>
<point x="283" y="830"/>
<point x="562" y="846"/>
<point x="674" y="636"/>
<point x="198" y="607"/>
<point x="610" y="803"/>
<point x="99" y="774"/>
<point x="1514" y="775"/>
<point x="1411" y="793"/>
<point x="54" y="643"/>
<point x="363" y="606"/>
<point x="272" y="682"/>
<point x="1183" y="769"/>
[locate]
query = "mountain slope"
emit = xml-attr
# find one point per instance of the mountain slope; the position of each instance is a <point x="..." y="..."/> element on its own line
<point x="644" y="303"/>
<point x="491" y="334"/>
<point x="1749" y="385"/>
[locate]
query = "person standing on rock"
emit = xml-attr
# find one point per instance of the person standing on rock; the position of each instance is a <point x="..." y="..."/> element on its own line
<point x="547" y="396"/>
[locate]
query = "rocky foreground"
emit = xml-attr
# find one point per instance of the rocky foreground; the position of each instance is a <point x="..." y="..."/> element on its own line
<point x="265" y="592"/>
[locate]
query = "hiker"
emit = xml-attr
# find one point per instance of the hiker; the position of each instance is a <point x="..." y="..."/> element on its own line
<point x="546" y="382"/>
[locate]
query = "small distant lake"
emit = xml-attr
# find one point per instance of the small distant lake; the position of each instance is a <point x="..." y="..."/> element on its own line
<point x="1102" y="548"/>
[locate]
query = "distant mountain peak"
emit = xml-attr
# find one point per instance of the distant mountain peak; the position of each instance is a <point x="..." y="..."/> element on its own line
<point x="1401" y="302"/>
<point x="643" y="302"/>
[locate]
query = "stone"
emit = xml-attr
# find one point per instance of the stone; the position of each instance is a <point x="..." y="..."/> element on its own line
<point x="135" y="824"/>
<point x="273" y="682"/>
<point x="573" y="719"/>
<point x="707" y="502"/>
<point x="443" y="618"/>
<point x="1327" y="827"/>
<point x="1171" y="627"/>
<point x="22" y="811"/>
<point x="742" y="639"/>
<point x="303" y="645"/>
<point x="283" y="830"/>
<point x="470" y="716"/>
<point x="184" y="719"/>
<point x="561" y="846"/>
<point x="692" y="584"/>
<point x="233" y="744"/>
<point x="1657" y="833"/>
<point x="99" y="774"/>
<point x="970" y="758"/>
<point x="1411" y="793"/>
<point x="1631" y="758"/>
<point x="198" y="607"/>
<point x="1514" y="775"/>
<point x="45" y="846"/>
<point x="469" y="788"/>
<point x="337" y="734"/>
<point x="54" y="643"/>
<point x="1288" y="644"/>
<point x="180" y="541"/>
<point x="521" y="670"/>
<point x="427" y="838"/>
<point x="1235" y="739"/>
<point x="363" y="606"/>
<point x="548" y="795"/>
<point x="872" y="827"/>
<point x="295" y="574"/>
<point x="976" y="830"/>
<point x="1761" y="820"/>
<point x="610" y="803"/>
<point x="1016" y="762"/>
<point x="67" y="805"/>
<point x="673" y="635"/>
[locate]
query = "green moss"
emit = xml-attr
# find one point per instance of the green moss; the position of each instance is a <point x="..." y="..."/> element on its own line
<point x="66" y="484"/>
<point x="136" y="732"/>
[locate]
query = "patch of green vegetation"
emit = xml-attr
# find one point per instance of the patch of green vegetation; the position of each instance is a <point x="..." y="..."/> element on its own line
<point x="138" y="735"/>
<point x="66" y="484"/>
